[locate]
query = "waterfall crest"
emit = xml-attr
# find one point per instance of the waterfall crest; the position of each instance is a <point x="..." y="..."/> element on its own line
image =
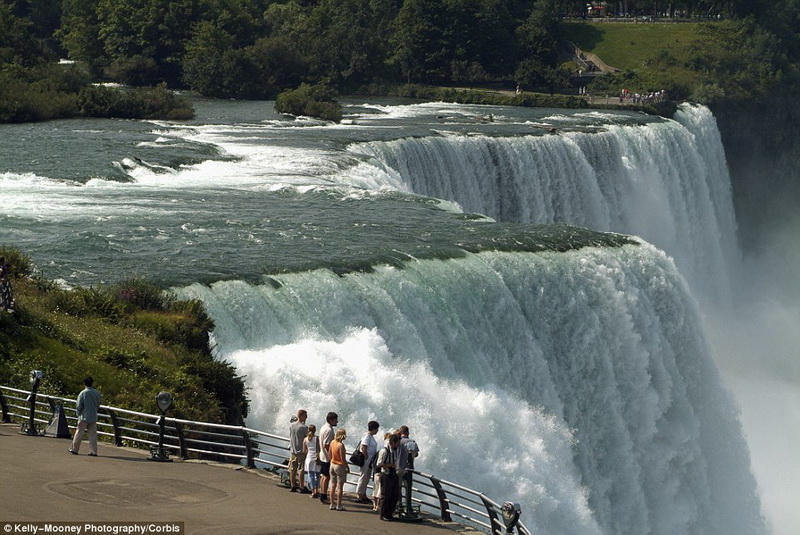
<point x="664" y="181"/>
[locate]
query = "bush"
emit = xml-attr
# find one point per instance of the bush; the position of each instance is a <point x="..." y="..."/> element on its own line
<point x="142" y="294"/>
<point x="140" y="103"/>
<point x="135" y="71"/>
<point x="312" y="100"/>
<point x="21" y="101"/>
<point x="20" y="263"/>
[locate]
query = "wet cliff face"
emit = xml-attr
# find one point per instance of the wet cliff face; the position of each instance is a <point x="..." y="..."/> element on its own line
<point x="762" y="146"/>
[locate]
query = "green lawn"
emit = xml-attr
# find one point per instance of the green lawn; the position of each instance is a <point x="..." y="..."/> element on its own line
<point x="628" y="46"/>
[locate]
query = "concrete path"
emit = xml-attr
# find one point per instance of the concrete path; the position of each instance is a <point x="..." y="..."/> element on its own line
<point x="40" y="481"/>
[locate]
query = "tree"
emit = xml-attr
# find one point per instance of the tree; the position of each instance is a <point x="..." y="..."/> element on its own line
<point x="344" y="44"/>
<point x="539" y="39"/>
<point x="17" y="42"/>
<point x="203" y="63"/>
<point x="418" y="41"/>
<point x="156" y="29"/>
<point x="80" y="33"/>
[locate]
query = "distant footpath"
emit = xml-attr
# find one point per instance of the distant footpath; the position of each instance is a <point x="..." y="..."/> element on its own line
<point x="502" y="97"/>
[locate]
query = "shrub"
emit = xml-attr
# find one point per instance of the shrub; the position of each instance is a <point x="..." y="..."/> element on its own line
<point x="141" y="293"/>
<point x="134" y="71"/>
<point x="140" y="103"/>
<point x="312" y="100"/>
<point x="20" y="263"/>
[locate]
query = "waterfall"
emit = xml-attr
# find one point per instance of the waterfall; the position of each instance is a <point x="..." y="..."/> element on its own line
<point x="665" y="181"/>
<point x="579" y="384"/>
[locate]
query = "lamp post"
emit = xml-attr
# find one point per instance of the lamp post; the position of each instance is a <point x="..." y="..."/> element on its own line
<point x="159" y="453"/>
<point x="30" y="429"/>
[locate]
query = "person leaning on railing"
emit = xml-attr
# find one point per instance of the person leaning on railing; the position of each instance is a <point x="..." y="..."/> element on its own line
<point x="409" y="450"/>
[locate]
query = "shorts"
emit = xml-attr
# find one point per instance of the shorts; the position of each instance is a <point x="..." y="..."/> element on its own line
<point x="376" y="488"/>
<point x="297" y="461"/>
<point x="338" y="474"/>
<point x="325" y="468"/>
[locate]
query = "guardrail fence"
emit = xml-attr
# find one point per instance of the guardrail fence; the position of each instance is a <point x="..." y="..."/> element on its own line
<point x="39" y="414"/>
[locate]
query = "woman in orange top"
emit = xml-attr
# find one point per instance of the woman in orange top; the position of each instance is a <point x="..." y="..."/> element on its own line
<point x="339" y="468"/>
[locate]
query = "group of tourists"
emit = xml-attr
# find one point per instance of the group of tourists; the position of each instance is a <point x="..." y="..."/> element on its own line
<point x="652" y="97"/>
<point x="323" y="458"/>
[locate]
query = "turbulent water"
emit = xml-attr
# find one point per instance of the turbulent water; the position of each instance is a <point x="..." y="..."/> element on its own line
<point x="396" y="267"/>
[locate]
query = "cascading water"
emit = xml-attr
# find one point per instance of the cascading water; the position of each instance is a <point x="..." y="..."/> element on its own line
<point x="666" y="182"/>
<point x="576" y="382"/>
<point x="519" y="356"/>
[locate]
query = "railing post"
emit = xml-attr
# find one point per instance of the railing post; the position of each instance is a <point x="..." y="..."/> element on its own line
<point x="493" y="520"/>
<point x="4" y="405"/>
<point x="248" y="445"/>
<point x="443" y="502"/>
<point x="115" y="424"/>
<point x="181" y="441"/>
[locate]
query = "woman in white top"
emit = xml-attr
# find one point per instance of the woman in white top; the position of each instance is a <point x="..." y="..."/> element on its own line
<point x="311" y="449"/>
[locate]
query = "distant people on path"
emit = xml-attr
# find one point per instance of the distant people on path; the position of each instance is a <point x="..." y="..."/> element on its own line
<point x="369" y="447"/>
<point x="390" y="481"/>
<point x="6" y="295"/>
<point x="297" y="457"/>
<point x="326" y="436"/>
<point x="311" y="448"/>
<point x="87" y="406"/>
<point x="338" y="469"/>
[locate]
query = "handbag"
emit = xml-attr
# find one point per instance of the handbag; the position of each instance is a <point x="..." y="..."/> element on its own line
<point x="357" y="458"/>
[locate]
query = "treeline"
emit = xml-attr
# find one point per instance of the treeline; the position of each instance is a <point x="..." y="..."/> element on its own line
<point x="256" y="49"/>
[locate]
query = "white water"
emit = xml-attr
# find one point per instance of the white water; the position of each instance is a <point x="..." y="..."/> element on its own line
<point x="513" y="357"/>
<point x="586" y="375"/>
<point x="666" y="182"/>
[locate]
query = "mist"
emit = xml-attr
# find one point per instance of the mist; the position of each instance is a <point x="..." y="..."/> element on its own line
<point x="756" y="348"/>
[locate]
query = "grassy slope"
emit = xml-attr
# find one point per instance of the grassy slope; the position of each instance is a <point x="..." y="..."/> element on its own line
<point x="629" y="46"/>
<point x="132" y="357"/>
<point x="660" y="54"/>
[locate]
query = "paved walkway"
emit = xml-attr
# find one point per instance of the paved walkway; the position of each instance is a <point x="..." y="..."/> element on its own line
<point x="41" y="482"/>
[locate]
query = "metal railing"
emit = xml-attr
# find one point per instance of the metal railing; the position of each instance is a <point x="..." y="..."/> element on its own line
<point x="253" y="448"/>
